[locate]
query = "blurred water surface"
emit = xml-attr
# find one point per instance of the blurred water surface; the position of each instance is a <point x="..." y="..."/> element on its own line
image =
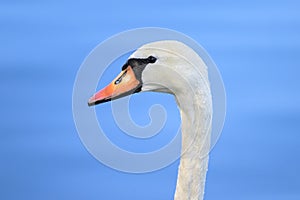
<point x="255" y="44"/>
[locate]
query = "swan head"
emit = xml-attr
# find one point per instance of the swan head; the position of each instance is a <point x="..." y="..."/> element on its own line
<point x="163" y="66"/>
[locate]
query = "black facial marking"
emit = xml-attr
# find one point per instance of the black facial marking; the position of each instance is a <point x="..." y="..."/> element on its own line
<point x="138" y="65"/>
<point x="139" y="62"/>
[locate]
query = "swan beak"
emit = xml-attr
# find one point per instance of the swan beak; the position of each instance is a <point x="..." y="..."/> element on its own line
<point x="124" y="84"/>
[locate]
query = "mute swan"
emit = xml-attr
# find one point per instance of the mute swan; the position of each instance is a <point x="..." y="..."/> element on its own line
<point x="172" y="67"/>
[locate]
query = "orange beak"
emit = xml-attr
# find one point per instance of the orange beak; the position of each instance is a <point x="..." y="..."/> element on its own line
<point x="125" y="84"/>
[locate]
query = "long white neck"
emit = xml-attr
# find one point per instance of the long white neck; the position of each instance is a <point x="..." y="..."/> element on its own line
<point x="180" y="71"/>
<point x="195" y="110"/>
<point x="192" y="92"/>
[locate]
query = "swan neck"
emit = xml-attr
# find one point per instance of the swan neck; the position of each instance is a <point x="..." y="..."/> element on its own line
<point x="194" y="111"/>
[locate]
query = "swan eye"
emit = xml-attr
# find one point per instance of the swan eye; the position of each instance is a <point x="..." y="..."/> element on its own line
<point x="152" y="59"/>
<point x="119" y="80"/>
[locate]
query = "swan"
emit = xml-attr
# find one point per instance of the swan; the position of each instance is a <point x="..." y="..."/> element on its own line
<point x="172" y="67"/>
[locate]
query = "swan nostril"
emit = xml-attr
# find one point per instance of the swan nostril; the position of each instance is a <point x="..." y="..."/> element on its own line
<point x="120" y="78"/>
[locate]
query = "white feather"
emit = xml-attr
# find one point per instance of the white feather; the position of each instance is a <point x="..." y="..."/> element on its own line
<point x="180" y="71"/>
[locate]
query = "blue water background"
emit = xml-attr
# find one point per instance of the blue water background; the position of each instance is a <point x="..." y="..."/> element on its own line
<point x="256" y="45"/>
